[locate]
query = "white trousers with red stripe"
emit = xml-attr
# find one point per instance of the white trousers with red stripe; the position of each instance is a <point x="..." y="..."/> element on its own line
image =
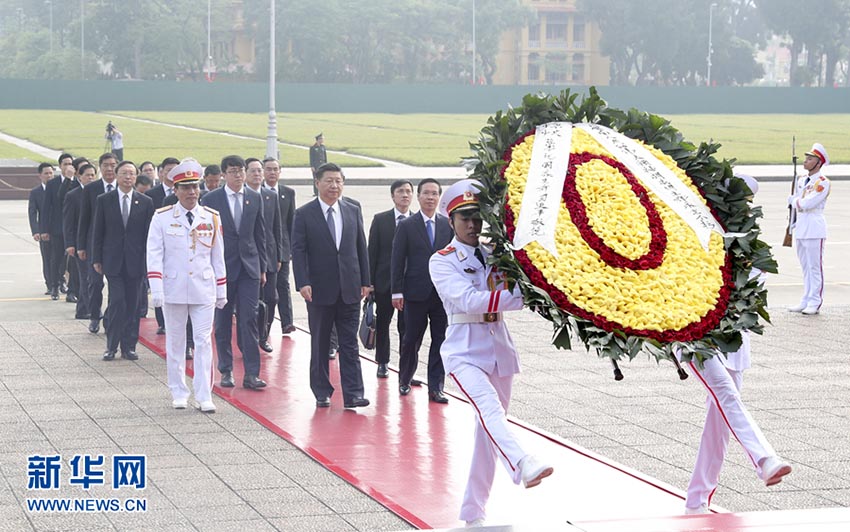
<point x="810" y="254"/>
<point x="726" y="415"/>
<point x="175" y="349"/>
<point x="489" y="395"/>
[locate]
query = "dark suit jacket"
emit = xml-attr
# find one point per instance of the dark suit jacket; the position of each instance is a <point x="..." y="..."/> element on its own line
<point x="242" y="249"/>
<point x="157" y="194"/>
<point x="113" y="245"/>
<point x="411" y="253"/>
<point x="87" y="208"/>
<point x="287" y="216"/>
<point x="71" y="216"/>
<point x="172" y="199"/>
<point x="381" y="235"/>
<point x="332" y="273"/>
<point x="34" y="208"/>
<point x="54" y="196"/>
<point x="271" y="221"/>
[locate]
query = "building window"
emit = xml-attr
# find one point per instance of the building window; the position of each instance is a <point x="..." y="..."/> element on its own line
<point x="556" y="29"/>
<point x="579" y="29"/>
<point x="556" y="68"/>
<point x="578" y="68"/>
<point x="534" y="36"/>
<point x="533" y="67"/>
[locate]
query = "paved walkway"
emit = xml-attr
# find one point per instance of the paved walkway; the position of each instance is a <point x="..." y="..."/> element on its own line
<point x="225" y="471"/>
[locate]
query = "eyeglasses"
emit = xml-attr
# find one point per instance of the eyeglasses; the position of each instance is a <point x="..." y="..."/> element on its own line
<point x="235" y="171"/>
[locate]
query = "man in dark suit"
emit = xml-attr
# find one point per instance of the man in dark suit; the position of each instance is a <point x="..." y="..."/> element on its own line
<point x="34" y="210"/>
<point x="107" y="163"/>
<point x="286" y="196"/>
<point x="241" y="211"/>
<point x="416" y="239"/>
<point x="381" y="235"/>
<point x="274" y="247"/>
<point x="70" y="225"/>
<point x="51" y="222"/>
<point x="121" y="221"/>
<point x="159" y="193"/>
<point x="331" y="264"/>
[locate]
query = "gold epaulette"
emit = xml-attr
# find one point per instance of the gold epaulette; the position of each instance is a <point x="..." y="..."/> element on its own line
<point x="210" y="209"/>
<point x="447" y="250"/>
<point x="165" y="209"/>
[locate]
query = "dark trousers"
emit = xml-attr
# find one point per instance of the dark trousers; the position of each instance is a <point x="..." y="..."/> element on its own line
<point x="417" y="315"/>
<point x="269" y="296"/>
<point x="243" y="296"/>
<point x="160" y="318"/>
<point x="83" y="295"/>
<point x="143" y="298"/>
<point x="118" y="153"/>
<point x="95" y="290"/>
<point x="56" y="258"/>
<point x="284" y="296"/>
<point x="122" y="317"/>
<point x="322" y="319"/>
<point x="384" y="309"/>
<point x="44" y="248"/>
<point x="73" y="276"/>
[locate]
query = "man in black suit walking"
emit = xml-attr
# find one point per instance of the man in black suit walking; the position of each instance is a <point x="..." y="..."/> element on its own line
<point x="159" y="193"/>
<point x="70" y="226"/>
<point x="331" y="264"/>
<point x="35" y="206"/>
<point x="381" y="235"/>
<point x="416" y="239"/>
<point x="271" y="171"/>
<point x="121" y="221"/>
<point x="51" y="223"/>
<point x="241" y="211"/>
<point x="107" y="163"/>
<point x="274" y="247"/>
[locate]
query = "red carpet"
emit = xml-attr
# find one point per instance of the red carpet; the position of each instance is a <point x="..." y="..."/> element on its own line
<point x="412" y="456"/>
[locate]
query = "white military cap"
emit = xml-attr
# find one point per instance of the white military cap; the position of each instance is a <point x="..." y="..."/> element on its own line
<point x="462" y="196"/>
<point x="820" y="152"/>
<point x="189" y="171"/>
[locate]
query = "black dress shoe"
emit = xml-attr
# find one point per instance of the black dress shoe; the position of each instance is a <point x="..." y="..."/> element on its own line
<point x="286" y="329"/>
<point x="438" y="397"/>
<point x="383" y="372"/>
<point x="160" y="330"/>
<point x="47" y="292"/>
<point x="82" y="316"/>
<point x="63" y="288"/>
<point x="357" y="402"/>
<point x="109" y="355"/>
<point x="266" y="346"/>
<point x="70" y="298"/>
<point x="94" y="326"/>
<point x="404" y="389"/>
<point x="252" y="382"/>
<point x="324" y="402"/>
<point x="54" y="294"/>
<point x="332" y="354"/>
<point x="190" y="353"/>
<point x="129" y="355"/>
<point x="416" y="382"/>
<point x="227" y="379"/>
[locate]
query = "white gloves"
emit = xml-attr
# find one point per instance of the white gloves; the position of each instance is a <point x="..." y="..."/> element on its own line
<point x="220" y="302"/>
<point x="157" y="299"/>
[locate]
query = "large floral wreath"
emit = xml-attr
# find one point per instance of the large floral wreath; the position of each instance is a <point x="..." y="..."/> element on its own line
<point x="625" y="273"/>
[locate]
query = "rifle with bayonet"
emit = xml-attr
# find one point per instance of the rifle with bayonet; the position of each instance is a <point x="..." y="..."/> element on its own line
<point x="792" y="215"/>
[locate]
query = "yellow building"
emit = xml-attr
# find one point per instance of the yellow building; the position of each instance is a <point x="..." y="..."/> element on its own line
<point x="558" y="47"/>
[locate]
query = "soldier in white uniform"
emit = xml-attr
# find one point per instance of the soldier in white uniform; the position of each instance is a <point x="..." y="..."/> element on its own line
<point x="808" y="202"/>
<point x="478" y="353"/>
<point x="722" y="377"/>
<point x="185" y="256"/>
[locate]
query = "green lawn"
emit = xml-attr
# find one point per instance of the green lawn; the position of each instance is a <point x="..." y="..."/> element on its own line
<point x="10" y="151"/>
<point x="417" y="139"/>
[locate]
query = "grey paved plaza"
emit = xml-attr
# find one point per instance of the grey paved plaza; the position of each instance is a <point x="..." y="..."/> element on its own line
<point x="56" y="396"/>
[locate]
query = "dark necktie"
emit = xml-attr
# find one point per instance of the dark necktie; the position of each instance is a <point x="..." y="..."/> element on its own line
<point x="479" y="256"/>
<point x="125" y="208"/>
<point x="109" y="188"/>
<point x="332" y="226"/>
<point x="429" y="226"/>
<point x="237" y="210"/>
<point x="399" y="218"/>
<point x="190" y="217"/>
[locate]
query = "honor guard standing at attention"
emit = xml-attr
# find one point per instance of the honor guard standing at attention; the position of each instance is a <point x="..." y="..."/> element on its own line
<point x="808" y="202"/>
<point x="478" y="352"/>
<point x="186" y="271"/>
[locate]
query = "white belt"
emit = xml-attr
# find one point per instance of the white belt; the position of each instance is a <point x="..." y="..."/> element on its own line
<point x="489" y="317"/>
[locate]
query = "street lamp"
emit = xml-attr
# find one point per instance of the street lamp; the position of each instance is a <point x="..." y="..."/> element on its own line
<point x="271" y="137"/>
<point x="474" y="78"/>
<point x="710" y="17"/>
<point x="50" y="6"/>
<point x="82" y="39"/>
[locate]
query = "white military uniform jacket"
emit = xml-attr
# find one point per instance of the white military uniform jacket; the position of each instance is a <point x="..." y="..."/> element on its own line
<point x="809" y="201"/>
<point x="186" y="262"/>
<point x="467" y="287"/>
